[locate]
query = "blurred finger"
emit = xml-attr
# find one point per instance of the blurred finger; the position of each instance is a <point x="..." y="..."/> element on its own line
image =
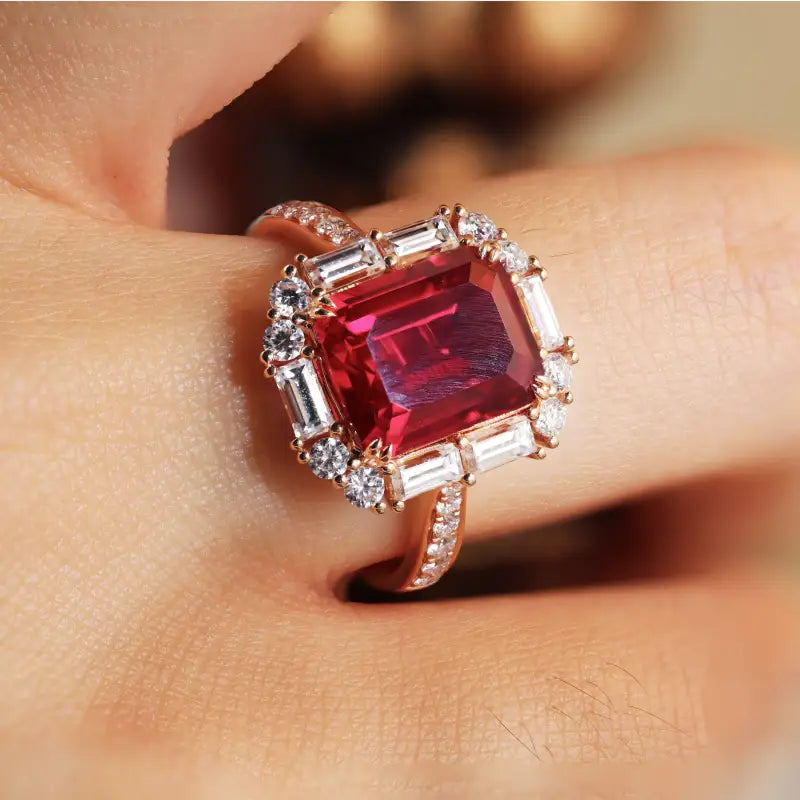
<point x="420" y="695"/>
<point x="93" y="96"/>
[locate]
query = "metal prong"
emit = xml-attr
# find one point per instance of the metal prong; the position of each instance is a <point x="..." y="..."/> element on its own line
<point x="543" y="387"/>
<point x="297" y="444"/>
<point x="381" y="507"/>
<point x="290" y="270"/>
<point x="398" y="506"/>
<point x="300" y="258"/>
<point x="302" y="457"/>
<point x="489" y="251"/>
<point x="468" y="479"/>
<point x="273" y="313"/>
<point x="443" y="211"/>
<point x="308" y="351"/>
<point x="502" y="234"/>
<point x="459" y="210"/>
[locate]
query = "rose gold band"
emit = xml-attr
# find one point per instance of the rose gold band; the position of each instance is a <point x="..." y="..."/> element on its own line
<point x="434" y="533"/>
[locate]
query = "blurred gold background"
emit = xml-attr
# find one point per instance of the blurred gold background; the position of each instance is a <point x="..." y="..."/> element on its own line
<point x="388" y="98"/>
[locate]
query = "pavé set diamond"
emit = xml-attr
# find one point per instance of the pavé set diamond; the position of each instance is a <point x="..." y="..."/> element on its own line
<point x="414" y="360"/>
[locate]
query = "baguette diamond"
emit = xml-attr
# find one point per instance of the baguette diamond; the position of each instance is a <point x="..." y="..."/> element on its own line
<point x="422" y="238"/>
<point x="345" y="265"/>
<point x="541" y="312"/>
<point x="500" y="444"/>
<point x="303" y="398"/>
<point x="426" y="471"/>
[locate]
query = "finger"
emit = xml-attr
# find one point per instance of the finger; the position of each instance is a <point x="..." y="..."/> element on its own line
<point x="93" y="97"/>
<point x="500" y="695"/>
<point x="192" y="443"/>
<point x="682" y="301"/>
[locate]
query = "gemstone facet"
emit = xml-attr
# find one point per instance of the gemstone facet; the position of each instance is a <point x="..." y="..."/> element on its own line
<point x="552" y="416"/>
<point x="328" y="458"/>
<point x="428" y="470"/>
<point x="283" y="340"/>
<point x="289" y="296"/>
<point x="364" y="487"/>
<point x="418" y="354"/>
<point x="303" y="398"/>
<point x="499" y="444"/>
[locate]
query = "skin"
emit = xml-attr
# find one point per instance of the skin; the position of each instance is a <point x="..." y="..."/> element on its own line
<point x="170" y="622"/>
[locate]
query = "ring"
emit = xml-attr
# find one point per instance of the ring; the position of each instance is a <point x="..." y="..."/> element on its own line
<point x="410" y="362"/>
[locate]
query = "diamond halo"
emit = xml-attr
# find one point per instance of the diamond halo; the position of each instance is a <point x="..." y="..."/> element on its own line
<point x="375" y="469"/>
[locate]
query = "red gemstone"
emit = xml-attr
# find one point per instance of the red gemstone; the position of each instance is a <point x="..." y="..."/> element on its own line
<point x="415" y="355"/>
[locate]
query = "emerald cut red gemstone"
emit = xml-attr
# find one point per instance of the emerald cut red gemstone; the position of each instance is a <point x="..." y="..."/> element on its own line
<point x="418" y="354"/>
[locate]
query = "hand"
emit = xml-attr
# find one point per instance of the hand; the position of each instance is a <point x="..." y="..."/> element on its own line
<point x="170" y="624"/>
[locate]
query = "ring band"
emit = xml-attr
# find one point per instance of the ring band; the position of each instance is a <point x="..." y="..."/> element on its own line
<point x="409" y="362"/>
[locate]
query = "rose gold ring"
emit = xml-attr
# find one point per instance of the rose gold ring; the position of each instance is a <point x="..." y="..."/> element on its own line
<point x="412" y="361"/>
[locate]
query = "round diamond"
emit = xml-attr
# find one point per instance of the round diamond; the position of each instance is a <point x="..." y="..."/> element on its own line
<point x="432" y="569"/>
<point x="290" y="209"/>
<point x="325" y="225"/>
<point x="364" y="487"/>
<point x="552" y="416"/>
<point x="328" y="458"/>
<point x="441" y="549"/>
<point x="513" y="257"/>
<point x="289" y="296"/>
<point x="445" y="527"/>
<point x="478" y="226"/>
<point x="449" y="507"/>
<point x="283" y="341"/>
<point x="451" y="491"/>
<point x="557" y="371"/>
